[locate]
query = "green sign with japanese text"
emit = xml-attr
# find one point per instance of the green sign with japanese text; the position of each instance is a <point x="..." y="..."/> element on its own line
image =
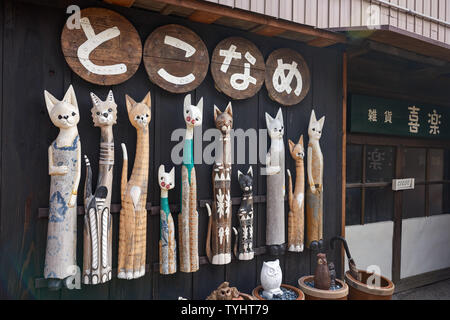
<point x="396" y="117"/>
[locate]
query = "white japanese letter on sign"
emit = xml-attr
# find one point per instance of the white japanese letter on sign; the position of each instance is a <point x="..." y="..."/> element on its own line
<point x="176" y="59"/>
<point x="287" y="77"/>
<point x="237" y="67"/>
<point x="105" y="50"/>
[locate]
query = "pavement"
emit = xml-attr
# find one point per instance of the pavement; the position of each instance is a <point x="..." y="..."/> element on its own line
<point x="436" y="291"/>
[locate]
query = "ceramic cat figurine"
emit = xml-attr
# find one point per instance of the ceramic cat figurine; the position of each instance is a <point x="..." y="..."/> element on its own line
<point x="314" y="193"/>
<point x="167" y="244"/>
<point x="218" y="239"/>
<point x="245" y="217"/>
<point x="188" y="218"/>
<point x="133" y="215"/>
<point x="322" y="275"/>
<point x="271" y="277"/>
<point x="97" y="236"/>
<point x="297" y="198"/>
<point x="64" y="168"/>
<point x="275" y="235"/>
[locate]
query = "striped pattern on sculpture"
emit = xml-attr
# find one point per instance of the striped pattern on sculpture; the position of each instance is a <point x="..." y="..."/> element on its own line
<point x="218" y="240"/>
<point x="133" y="215"/>
<point x="188" y="217"/>
<point x="97" y="253"/>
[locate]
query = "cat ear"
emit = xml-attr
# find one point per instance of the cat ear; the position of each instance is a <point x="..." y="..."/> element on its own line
<point x="312" y="119"/>
<point x="229" y="109"/>
<point x="200" y="105"/>
<point x="217" y="112"/>
<point x="300" y="141"/>
<point x="277" y="262"/>
<point x="70" y="97"/>
<point x="239" y="174"/>
<point x="291" y="145"/>
<point x="147" y="100"/>
<point x="250" y="172"/>
<point x="161" y="171"/>
<point x="279" y="115"/>
<point x="95" y="99"/>
<point x="129" y="102"/>
<point x="321" y="121"/>
<point x="187" y="100"/>
<point x="110" y="97"/>
<point x="50" y="100"/>
<point x="269" y="120"/>
<point x="172" y="176"/>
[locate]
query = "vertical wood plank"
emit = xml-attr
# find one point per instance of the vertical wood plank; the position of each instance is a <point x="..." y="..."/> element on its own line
<point x="410" y="21"/>
<point x="447" y="18"/>
<point x="271" y="8"/>
<point x="418" y="24"/>
<point x="365" y="12"/>
<point x="356" y="13"/>
<point x="243" y="4"/>
<point x="298" y="11"/>
<point x="257" y="6"/>
<point x="334" y="14"/>
<point x="402" y="15"/>
<point x="434" y="14"/>
<point x="322" y="15"/>
<point x="426" y="22"/>
<point x="345" y="16"/>
<point x="384" y="13"/>
<point x="393" y="14"/>
<point x="311" y="12"/>
<point x="229" y="3"/>
<point x="441" y="16"/>
<point x="286" y="10"/>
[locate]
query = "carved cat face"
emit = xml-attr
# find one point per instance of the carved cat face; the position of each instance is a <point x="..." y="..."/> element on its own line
<point x="139" y="113"/>
<point x="192" y="114"/>
<point x="321" y="259"/>
<point x="275" y="125"/>
<point x="315" y="127"/>
<point x="246" y="180"/>
<point x="224" y="120"/>
<point x="297" y="150"/>
<point x="64" y="114"/>
<point x="166" y="180"/>
<point x="271" y="275"/>
<point x="104" y="113"/>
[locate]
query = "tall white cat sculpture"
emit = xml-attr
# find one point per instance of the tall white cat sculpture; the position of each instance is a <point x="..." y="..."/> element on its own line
<point x="271" y="277"/>
<point x="64" y="167"/>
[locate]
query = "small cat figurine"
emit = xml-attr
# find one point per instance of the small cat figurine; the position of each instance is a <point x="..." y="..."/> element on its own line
<point x="314" y="193"/>
<point x="133" y="215"/>
<point x="275" y="235"/>
<point x="64" y="167"/>
<point x="322" y="274"/>
<point x="97" y="236"/>
<point x="271" y="277"/>
<point x="245" y="216"/>
<point x="218" y="247"/>
<point x="167" y="244"/>
<point x="188" y="218"/>
<point x="297" y="198"/>
<point x="332" y="271"/>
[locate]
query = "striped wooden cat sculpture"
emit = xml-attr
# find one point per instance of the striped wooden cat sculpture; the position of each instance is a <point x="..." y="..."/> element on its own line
<point x="218" y="239"/>
<point x="188" y="218"/>
<point x="97" y="236"/>
<point x="314" y="193"/>
<point x="167" y="245"/>
<point x="296" y="214"/>
<point x="64" y="168"/>
<point x="133" y="215"/>
<point x="275" y="234"/>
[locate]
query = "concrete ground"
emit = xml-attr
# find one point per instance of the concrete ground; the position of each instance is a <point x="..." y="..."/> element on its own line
<point x="435" y="291"/>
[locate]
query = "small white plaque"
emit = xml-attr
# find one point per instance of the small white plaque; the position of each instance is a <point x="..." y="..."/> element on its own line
<point x="402" y="184"/>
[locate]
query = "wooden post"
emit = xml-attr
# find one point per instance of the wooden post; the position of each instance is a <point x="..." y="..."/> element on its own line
<point x="64" y="158"/>
<point x="344" y="155"/>
<point x="218" y="246"/>
<point x="97" y="236"/>
<point x="133" y="215"/>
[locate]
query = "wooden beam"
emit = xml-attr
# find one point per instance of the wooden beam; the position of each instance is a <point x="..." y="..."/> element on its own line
<point x="204" y="17"/>
<point x="168" y="9"/>
<point x="321" y="42"/>
<point x="267" y="31"/>
<point x="122" y="3"/>
<point x="344" y="156"/>
<point x="214" y="9"/>
<point x="429" y="72"/>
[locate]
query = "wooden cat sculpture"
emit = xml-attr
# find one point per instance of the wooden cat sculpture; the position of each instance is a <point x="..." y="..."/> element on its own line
<point x="322" y="274"/>
<point x="218" y="239"/>
<point x="188" y="218"/>
<point x="275" y="235"/>
<point x="97" y="236"/>
<point x="314" y="193"/>
<point x="64" y="167"/>
<point x="297" y="198"/>
<point x="167" y="244"/>
<point x="133" y="215"/>
<point x="245" y="217"/>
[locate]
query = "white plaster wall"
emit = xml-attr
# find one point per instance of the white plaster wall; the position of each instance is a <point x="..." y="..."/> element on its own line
<point x="425" y="245"/>
<point x="371" y="244"/>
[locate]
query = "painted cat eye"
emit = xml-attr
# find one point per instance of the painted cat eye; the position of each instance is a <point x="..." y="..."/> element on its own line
<point x="60" y="117"/>
<point x="109" y="110"/>
<point x="73" y="114"/>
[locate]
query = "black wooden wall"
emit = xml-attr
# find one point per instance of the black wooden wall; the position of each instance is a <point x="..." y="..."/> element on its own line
<point x="32" y="61"/>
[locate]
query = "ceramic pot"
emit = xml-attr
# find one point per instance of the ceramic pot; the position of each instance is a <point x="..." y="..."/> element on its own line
<point x="300" y="294"/>
<point x="359" y="290"/>
<point x="318" y="294"/>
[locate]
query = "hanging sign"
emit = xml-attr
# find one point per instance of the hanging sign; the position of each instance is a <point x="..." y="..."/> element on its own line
<point x="238" y="68"/>
<point x="287" y="77"/>
<point x="106" y="49"/>
<point x="396" y="117"/>
<point x="176" y="59"/>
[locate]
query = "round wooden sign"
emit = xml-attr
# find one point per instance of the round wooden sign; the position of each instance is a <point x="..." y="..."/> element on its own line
<point x="104" y="49"/>
<point x="237" y="67"/>
<point x="176" y="59"/>
<point x="287" y="77"/>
